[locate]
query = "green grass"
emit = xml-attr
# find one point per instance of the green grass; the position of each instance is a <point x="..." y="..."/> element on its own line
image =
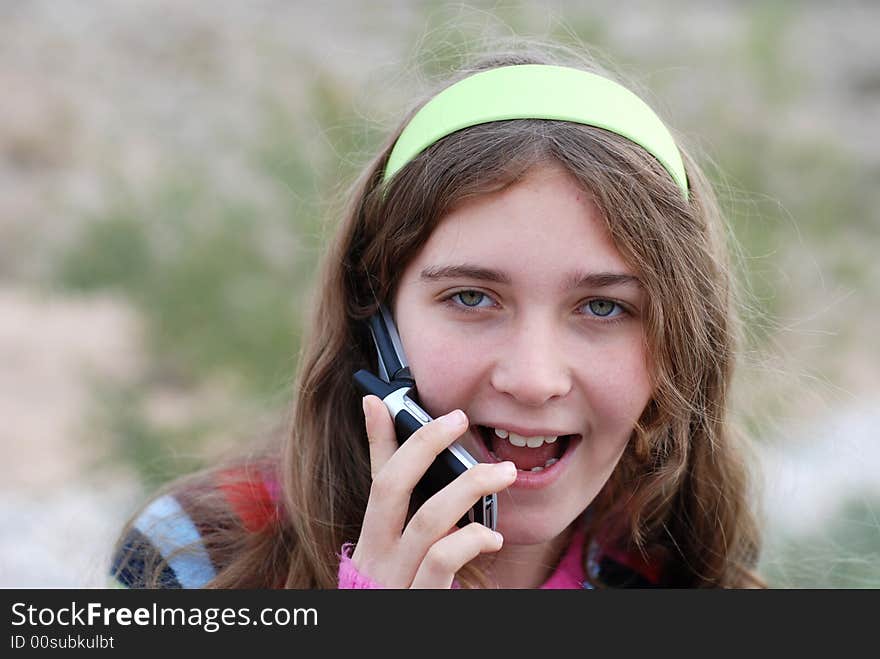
<point x="213" y="302"/>
<point x="845" y="554"/>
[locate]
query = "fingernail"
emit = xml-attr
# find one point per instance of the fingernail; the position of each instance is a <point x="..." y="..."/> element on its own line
<point x="453" y="419"/>
<point x="499" y="537"/>
<point x="366" y="409"/>
<point x="509" y="469"/>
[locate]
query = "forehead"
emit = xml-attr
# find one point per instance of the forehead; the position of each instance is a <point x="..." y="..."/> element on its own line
<point x="545" y="221"/>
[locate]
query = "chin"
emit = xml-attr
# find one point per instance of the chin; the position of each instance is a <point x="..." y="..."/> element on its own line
<point x="521" y="530"/>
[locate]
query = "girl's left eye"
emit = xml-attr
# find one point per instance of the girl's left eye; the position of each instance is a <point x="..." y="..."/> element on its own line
<point x="604" y="308"/>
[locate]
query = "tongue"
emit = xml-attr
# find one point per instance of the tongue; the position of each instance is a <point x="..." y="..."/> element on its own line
<point x="524" y="457"/>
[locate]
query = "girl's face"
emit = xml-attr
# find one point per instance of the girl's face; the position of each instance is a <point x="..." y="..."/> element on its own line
<point x="520" y="311"/>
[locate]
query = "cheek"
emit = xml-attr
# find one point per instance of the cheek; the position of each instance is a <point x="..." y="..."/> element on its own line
<point x="443" y="370"/>
<point x="623" y="387"/>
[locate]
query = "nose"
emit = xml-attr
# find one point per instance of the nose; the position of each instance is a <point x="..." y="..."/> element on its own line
<point x="532" y="366"/>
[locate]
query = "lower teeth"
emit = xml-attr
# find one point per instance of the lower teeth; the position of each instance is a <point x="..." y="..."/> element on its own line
<point x="549" y="463"/>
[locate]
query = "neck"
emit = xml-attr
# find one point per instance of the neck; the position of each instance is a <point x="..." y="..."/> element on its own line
<point x="524" y="566"/>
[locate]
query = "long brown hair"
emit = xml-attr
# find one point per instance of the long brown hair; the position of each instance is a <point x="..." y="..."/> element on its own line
<point x="680" y="493"/>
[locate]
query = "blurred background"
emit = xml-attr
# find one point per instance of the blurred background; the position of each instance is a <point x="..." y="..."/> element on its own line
<point x="170" y="171"/>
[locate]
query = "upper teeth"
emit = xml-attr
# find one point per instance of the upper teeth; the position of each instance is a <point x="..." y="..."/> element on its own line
<point x="519" y="440"/>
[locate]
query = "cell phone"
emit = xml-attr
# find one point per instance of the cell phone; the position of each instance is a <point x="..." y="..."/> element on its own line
<point x="396" y="387"/>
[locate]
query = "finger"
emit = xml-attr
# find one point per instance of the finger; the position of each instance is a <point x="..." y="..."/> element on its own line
<point x="449" y="554"/>
<point x="394" y="483"/>
<point x="380" y="433"/>
<point x="415" y="455"/>
<point x="443" y="510"/>
<point x="381" y="529"/>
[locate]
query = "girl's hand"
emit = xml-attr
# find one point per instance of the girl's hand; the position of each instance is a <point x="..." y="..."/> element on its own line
<point x="430" y="549"/>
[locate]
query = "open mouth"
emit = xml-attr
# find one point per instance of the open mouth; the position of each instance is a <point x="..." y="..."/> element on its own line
<point x="535" y="456"/>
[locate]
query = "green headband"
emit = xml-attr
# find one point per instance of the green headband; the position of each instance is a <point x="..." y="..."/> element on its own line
<point x="538" y="91"/>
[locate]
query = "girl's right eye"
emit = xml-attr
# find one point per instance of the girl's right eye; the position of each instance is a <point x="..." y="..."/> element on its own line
<point x="469" y="299"/>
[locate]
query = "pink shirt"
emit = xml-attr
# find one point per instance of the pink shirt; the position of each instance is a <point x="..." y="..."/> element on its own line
<point x="569" y="573"/>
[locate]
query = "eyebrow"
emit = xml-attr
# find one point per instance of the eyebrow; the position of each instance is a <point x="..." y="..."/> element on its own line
<point x="573" y="281"/>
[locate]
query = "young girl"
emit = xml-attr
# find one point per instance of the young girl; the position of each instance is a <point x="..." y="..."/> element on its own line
<point x="556" y="268"/>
